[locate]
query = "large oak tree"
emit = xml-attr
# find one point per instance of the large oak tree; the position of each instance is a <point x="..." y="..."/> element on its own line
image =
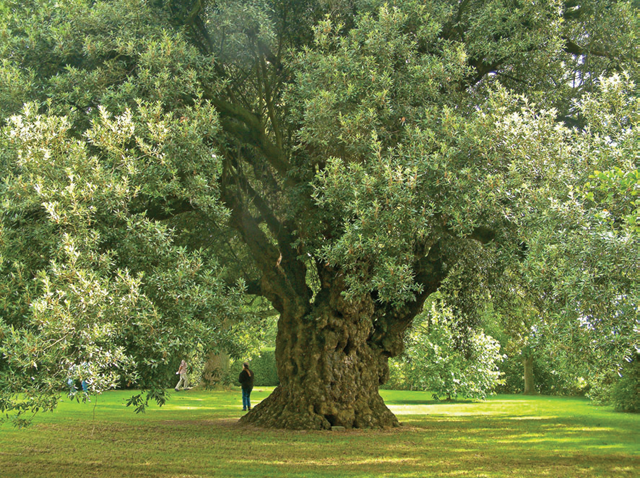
<point x="343" y="159"/>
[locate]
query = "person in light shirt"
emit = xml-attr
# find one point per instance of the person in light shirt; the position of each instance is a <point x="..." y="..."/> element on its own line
<point x="184" y="378"/>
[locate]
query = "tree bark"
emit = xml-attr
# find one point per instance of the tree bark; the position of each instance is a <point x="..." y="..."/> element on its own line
<point x="529" y="385"/>
<point x="332" y="354"/>
<point x="329" y="369"/>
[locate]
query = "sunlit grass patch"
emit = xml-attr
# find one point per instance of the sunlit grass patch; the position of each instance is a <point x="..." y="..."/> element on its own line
<point x="197" y="434"/>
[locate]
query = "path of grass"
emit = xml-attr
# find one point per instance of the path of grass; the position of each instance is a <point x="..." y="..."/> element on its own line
<point x="197" y="434"/>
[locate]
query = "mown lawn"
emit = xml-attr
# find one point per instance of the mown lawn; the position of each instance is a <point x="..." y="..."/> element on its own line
<point x="197" y="434"/>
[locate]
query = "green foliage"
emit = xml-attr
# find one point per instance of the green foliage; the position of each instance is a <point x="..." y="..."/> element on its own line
<point x="550" y="377"/>
<point x="159" y="158"/>
<point x="446" y="360"/>
<point x="625" y="396"/>
<point x="262" y="365"/>
<point x="584" y="254"/>
<point x="622" y="389"/>
<point x="110" y="286"/>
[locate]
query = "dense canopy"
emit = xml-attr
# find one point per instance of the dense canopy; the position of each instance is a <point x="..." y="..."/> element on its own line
<point x="344" y="159"/>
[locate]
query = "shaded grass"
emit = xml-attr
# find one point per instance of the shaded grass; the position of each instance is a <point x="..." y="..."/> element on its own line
<point x="197" y="434"/>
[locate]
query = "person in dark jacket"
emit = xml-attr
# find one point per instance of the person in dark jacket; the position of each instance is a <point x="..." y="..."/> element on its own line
<point x="246" y="381"/>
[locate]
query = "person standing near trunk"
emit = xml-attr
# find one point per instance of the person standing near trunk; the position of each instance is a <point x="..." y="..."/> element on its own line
<point x="184" y="379"/>
<point x="246" y="381"/>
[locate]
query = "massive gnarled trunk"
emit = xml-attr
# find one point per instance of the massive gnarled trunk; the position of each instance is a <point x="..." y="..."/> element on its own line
<point x="330" y="369"/>
<point x="332" y="354"/>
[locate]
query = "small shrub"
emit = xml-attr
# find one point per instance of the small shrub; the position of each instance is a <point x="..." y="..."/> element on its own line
<point x="625" y="393"/>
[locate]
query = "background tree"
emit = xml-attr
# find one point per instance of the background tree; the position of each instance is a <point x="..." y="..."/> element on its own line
<point x="590" y="265"/>
<point x="88" y="280"/>
<point x="360" y="158"/>
<point x="518" y="318"/>
<point x="440" y="358"/>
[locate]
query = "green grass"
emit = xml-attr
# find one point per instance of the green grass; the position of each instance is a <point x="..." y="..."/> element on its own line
<point x="196" y="434"/>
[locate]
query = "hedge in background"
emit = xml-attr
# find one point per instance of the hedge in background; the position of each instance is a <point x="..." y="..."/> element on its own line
<point x="264" y="368"/>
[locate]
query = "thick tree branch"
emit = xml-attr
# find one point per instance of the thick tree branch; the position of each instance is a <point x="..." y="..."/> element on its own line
<point x="392" y="322"/>
<point x="254" y="132"/>
<point x="167" y="210"/>
<point x="294" y="269"/>
<point x="482" y="68"/>
<point x="575" y="49"/>
<point x="196" y="8"/>
<point x="270" y="105"/>
<point x="283" y="275"/>
<point x="266" y="212"/>
<point x="254" y="288"/>
<point x="482" y="234"/>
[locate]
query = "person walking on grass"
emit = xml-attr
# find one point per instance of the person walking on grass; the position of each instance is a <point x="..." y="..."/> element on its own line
<point x="246" y="381"/>
<point x="184" y="378"/>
